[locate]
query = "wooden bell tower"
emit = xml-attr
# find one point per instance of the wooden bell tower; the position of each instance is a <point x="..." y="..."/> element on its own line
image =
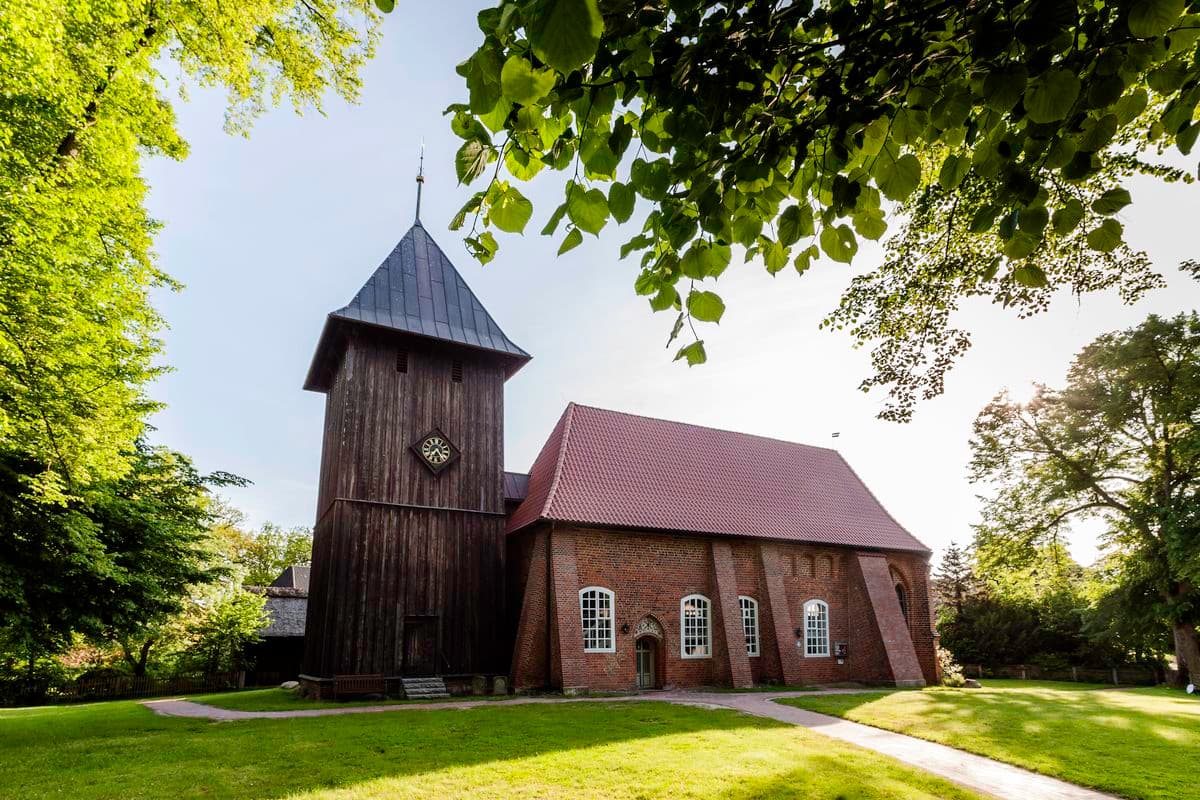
<point x="408" y="551"/>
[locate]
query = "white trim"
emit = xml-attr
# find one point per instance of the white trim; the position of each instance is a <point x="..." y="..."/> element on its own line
<point x="753" y="638"/>
<point x="821" y="628"/>
<point x="707" y="631"/>
<point x="601" y="620"/>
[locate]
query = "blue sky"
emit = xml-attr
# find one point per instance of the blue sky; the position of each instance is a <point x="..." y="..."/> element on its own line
<point x="271" y="233"/>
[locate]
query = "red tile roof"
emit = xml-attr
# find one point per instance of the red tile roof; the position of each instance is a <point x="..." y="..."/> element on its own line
<point x="611" y="469"/>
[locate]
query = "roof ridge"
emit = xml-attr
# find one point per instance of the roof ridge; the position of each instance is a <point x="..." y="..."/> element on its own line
<point x="708" y="428"/>
<point x="560" y="458"/>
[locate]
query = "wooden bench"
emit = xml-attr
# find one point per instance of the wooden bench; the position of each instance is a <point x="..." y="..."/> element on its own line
<point x="352" y="685"/>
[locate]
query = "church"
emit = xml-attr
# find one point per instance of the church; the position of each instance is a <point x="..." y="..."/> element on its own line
<point x="636" y="553"/>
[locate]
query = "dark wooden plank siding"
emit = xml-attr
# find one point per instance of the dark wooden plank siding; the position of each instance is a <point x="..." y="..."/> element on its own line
<point x="393" y="540"/>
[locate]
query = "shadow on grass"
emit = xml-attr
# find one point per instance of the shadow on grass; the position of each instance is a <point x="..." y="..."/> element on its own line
<point x="1134" y="743"/>
<point x="122" y="750"/>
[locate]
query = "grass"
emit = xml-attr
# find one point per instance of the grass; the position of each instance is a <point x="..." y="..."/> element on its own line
<point x="276" y="699"/>
<point x="120" y="750"/>
<point x="1139" y="743"/>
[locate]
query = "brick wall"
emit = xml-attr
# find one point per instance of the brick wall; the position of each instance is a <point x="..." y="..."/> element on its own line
<point x="649" y="573"/>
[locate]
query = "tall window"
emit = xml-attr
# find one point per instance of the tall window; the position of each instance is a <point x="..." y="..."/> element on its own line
<point x="596" y="610"/>
<point x="902" y="596"/>
<point x="816" y="628"/>
<point x="750" y="624"/>
<point x="695" y="640"/>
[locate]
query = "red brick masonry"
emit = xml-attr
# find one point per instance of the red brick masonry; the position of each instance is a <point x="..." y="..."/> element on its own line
<point x="650" y="573"/>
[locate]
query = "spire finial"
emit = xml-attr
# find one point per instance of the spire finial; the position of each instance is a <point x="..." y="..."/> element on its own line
<point x="420" y="179"/>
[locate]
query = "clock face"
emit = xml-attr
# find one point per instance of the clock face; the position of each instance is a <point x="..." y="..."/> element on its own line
<point x="435" y="451"/>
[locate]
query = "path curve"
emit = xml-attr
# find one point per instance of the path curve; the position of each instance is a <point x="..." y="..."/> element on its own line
<point x="978" y="773"/>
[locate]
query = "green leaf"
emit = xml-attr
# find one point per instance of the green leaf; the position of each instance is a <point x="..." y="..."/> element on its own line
<point x="704" y="260"/>
<point x="776" y="255"/>
<point x="1030" y="275"/>
<point x="954" y="171"/>
<point x="794" y="223"/>
<point x="555" y="218"/>
<point x="1051" y="95"/>
<point x="598" y="157"/>
<point x="470" y="207"/>
<point x="869" y="224"/>
<point x="746" y="228"/>
<point x="694" y="353"/>
<point x="805" y="258"/>
<point x="521" y="165"/>
<point x="565" y="33"/>
<point x="705" y="306"/>
<point x="620" y="201"/>
<point x="510" y="211"/>
<point x="1021" y="244"/>
<point x="1107" y="237"/>
<point x="839" y="243"/>
<point x="523" y="84"/>
<point x="483" y="247"/>
<point x="1068" y="217"/>
<point x="587" y="209"/>
<point x="573" y="240"/>
<point x="1111" y="202"/>
<point x="652" y="179"/>
<point x="1002" y="88"/>
<point x="897" y="178"/>
<point x="1151" y="18"/>
<point x="472" y="159"/>
<point x="386" y="6"/>
<point x="666" y="298"/>
<point x="482" y="72"/>
<point x="1185" y="140"/>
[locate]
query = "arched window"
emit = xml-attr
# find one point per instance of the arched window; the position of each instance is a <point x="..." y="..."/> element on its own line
<point x="816" y="628"/>
<point x="750" y="624"/>
<point x="596" y="612"/>
<point x="902" y="596"/>
<point x="694" y="629"/>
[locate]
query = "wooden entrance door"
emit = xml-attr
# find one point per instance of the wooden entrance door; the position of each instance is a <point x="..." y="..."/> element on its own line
<point x="420" y="645"/>
<point x="646" y="673"/>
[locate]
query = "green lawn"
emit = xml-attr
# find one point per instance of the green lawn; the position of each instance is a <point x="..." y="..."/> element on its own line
<point x="1140" y="743"/>
<point x="120" y="750"/>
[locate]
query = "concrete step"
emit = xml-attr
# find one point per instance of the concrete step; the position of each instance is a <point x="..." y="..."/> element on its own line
<point x="424" y="688"/>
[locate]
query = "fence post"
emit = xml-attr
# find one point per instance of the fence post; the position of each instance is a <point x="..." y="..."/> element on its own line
<point x="1023" y="673"/>
<point x="1114" y="674"/>
<point x="1075" y="674"/>
<point x="241" y="679"/>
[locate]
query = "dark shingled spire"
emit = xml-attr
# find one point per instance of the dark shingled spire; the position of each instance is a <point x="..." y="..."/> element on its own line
<point x="418" y="291"/>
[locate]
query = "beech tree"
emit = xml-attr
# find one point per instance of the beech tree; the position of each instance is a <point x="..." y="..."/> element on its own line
<point x="1121" y="442"/>
<point x="82" y="101"/>
<point x="997" y="138"/>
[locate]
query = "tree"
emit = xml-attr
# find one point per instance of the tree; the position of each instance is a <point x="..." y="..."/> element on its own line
<point x="111" y="565"/>
<point x="80" y="103"/>
<point x="260" y="556"/>
<point x="954" y="579"/>
<point x="1119" y="442"/>
<point x="230" y="620"/>
<point x="1001" y="136"/>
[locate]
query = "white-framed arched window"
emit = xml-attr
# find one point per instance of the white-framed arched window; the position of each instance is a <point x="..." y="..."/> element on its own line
<point x="816" y="628"/>
<point x="695" y="631"/>
<point x="749" y="608"/>
<point x="596" y="606"/>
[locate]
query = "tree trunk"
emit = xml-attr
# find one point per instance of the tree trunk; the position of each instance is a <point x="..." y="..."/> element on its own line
<point x="1187" y="654"/>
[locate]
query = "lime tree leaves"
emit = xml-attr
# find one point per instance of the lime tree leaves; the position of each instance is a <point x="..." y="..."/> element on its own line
<point x="993" y="142"/>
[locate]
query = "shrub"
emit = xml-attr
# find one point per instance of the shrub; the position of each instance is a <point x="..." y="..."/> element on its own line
<point x="952" y="674"/>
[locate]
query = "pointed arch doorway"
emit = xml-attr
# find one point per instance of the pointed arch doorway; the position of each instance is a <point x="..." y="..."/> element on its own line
<point x="647" y="648"/>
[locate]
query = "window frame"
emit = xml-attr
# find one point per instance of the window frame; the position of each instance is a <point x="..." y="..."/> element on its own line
<point x="611" y="638"/>
<point x="825" y="651"/>
<point x="683" y="628"/>
<point x="753" y="639"/>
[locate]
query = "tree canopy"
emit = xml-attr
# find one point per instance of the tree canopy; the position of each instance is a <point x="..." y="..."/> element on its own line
<point x="82" y="100"/>
<point x="1120" y="442"/>
<point x="998" y="138"/>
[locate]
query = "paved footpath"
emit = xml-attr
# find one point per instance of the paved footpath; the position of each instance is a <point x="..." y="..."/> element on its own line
<point x="974" y="772"/>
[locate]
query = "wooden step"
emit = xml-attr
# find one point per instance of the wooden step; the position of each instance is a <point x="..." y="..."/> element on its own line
<point x="424" y="688"/>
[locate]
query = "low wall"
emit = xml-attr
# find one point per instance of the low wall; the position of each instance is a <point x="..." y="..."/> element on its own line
<point x="1132" y="675"/>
